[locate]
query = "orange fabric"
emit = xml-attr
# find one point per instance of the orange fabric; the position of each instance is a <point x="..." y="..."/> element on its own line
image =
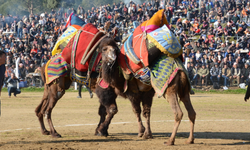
<point x="240" y="28"/>
<point x="155" y="22"/>
<point x="76" y="26"/>
<point x="196" y="25"/>
<point x="137" y="39"/>
<point x="244" y="13"/>
<point x="56" y="28"/>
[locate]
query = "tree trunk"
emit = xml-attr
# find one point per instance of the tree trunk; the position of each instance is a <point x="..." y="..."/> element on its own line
<point x="31" y="7"/>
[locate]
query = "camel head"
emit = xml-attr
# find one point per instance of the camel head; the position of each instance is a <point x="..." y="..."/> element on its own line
<point x="109" y="49"/>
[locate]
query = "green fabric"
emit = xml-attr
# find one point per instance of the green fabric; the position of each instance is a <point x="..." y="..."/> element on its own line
<point x="163" y="72"/>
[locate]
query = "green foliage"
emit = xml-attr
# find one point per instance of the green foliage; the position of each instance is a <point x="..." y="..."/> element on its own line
<point x="229" y="91"/>
<point x="52" y="4"/>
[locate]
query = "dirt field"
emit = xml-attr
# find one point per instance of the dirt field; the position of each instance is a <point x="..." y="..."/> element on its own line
<point x="222" y="123"/>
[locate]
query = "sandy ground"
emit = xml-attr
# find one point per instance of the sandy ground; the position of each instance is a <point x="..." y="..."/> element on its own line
<point x="222" y="123"/>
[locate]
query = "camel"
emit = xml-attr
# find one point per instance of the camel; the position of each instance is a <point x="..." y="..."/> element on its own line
<point x="137" y="93"/>
<point x="55" y="90"/>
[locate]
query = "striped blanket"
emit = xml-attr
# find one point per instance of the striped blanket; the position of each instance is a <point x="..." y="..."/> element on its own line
<point x="55" y="68"/>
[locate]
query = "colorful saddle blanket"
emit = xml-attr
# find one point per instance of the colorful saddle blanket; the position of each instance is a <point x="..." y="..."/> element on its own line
<point x="165" y="41"/>
<point x="163" y="72"/>
<point x="79" y="46"/>
<point x="55" y="68"/>
<point x="134" y="54"/>
<point x="64" y="39"/>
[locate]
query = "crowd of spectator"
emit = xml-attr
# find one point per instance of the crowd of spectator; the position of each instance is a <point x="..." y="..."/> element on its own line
<point x="214" y="35"/>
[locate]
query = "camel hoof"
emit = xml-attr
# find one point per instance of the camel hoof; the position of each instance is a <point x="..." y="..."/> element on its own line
<point x="45" y="132"/>
<point x="98" y="133"/>
<point x="140" y="134"/>
<point x="147" y="136"/>
<point x="189" y="142"/>
<point x="56" y="135"/>
<point x="169" y="143"/>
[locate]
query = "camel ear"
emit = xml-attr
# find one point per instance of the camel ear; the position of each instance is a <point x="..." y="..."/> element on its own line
<point x="106" y="26"/>
<point x="98" y="49"/>
<point x="114" y="32"/>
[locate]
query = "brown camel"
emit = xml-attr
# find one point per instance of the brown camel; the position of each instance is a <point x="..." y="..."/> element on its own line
<point x="140" y="93"/>
<point x="55" y="90"/>
<point x="137" y="93"/>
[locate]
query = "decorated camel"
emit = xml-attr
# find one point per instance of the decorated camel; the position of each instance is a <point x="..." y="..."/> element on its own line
<point x="148" y="62"/>
<point x="140" y="69"/>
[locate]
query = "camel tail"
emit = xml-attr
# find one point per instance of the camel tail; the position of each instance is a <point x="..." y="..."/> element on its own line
<point x="43" y="73"/>
<point x="184" y="84"/>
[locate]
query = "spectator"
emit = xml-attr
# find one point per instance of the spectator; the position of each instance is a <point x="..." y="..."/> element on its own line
<point x="245" y="74"/>
<point x="203" y="73"/>
<point x="215" y="73"/>
<point x="195" y="74"/>
<point x="226" y="74"/>
<point x="20" y="29"/>
<point x="12" y="85"/>
<point x="235" y="73"/>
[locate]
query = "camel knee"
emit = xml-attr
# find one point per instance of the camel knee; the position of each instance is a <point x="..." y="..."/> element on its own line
<point x="60" y="94"/>
<point x="146" y="112"/>
<point x="178" y="116"/>
<point x="113" y="109"/>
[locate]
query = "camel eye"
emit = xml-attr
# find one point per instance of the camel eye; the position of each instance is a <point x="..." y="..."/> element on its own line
<point x="104" y="49"/>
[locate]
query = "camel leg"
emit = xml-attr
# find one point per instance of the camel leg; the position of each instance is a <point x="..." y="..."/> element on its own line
<point x="171" y="95"/>
<point x="183" y="93"/>
<point x="147" y="99"/>
<point x="191" y="116"/>
<point x="137" y="110"/>
<point x="39" y="112"/>
<point x="56" y="92"/>
<point x="102" y="113"/>
<point x="107" y="98"/>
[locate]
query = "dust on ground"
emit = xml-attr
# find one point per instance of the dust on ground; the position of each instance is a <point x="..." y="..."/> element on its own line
<point x="222" y="123"/>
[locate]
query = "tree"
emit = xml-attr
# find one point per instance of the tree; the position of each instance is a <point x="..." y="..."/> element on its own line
<point x="29" y="5"/>
<point x="51" y="4"/>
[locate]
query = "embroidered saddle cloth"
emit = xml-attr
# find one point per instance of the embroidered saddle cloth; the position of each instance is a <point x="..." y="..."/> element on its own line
<point x="64" y="39"/>
<point x="165" y="41"/>
<point x="163" y="72"/>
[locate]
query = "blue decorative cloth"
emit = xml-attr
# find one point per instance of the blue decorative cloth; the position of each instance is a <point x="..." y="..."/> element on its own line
<point x="165" y="41"/>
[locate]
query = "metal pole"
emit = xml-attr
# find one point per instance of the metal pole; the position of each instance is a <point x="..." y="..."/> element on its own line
<point x="75" y="85"/>
<point x="17" y="73"/>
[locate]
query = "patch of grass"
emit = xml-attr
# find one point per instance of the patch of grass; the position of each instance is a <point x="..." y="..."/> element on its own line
<point x="37" y="89"/>
<point x="229" y="91"/>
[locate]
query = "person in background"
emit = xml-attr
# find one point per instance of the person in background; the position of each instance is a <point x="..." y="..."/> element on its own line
<point x="2" y="68"/>
<point x="245" y="74"/>
<point x="203" y="73"/>
<point x="226" y="73"/>
<point x="12" y="85"/>
<point x="196" y="74"/>
<point x="235" y="71"/>
<point x="215" y="72"/>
